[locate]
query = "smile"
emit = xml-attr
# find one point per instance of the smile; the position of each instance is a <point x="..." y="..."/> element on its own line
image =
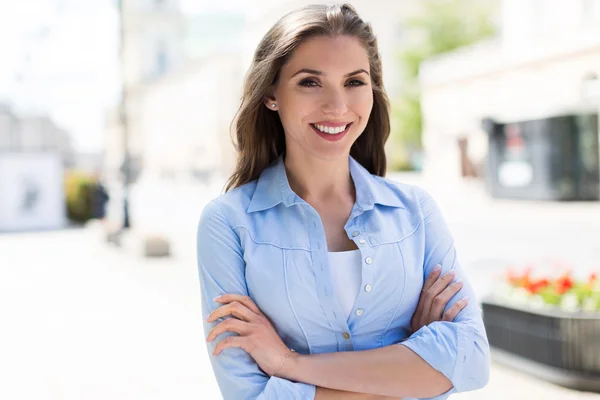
<point x="331" y="133"/>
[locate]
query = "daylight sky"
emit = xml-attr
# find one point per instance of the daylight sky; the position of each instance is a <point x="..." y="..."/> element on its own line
<point x="60" y="57"/>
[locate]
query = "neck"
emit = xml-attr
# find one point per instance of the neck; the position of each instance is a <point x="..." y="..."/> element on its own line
<point x="319" y="180"/>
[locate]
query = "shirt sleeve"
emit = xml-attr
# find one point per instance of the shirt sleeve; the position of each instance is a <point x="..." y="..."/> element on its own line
<point x="222" y="270"/>
<point x="457" y="349"/>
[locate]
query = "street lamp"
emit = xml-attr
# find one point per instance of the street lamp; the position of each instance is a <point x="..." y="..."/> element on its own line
<point x="126" y="165"/>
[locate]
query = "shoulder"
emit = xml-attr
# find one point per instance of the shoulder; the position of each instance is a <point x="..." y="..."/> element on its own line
<point x="229" y="206"/>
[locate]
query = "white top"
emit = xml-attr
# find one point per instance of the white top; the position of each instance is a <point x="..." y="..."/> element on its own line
<point x="346" y="274"/>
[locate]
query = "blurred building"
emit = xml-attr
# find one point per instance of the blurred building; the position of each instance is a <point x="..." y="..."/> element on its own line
<point x="152" y="48"/>
<point x="33" y="134"/>
<point x="33" y="155"/>
<point x="544" y="64"/>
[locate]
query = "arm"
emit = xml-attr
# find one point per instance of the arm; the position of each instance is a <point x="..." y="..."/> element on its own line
<point x="393" y="371"/>
<point x="437" y="360"/>
<point x="221" y="268"/>
<point x="459" y="349"/>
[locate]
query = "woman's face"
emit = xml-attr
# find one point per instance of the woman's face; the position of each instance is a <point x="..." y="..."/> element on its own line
<point x="324" y="97"/>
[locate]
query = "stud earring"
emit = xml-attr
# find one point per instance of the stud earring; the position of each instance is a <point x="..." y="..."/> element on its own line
<point x="273" y="105"/>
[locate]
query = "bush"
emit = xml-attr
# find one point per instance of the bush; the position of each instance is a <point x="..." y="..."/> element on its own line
<point x="78" y="196"/>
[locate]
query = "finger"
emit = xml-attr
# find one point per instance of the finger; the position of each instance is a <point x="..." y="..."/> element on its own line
<point x="442" y="282"/>
<point x="229" y="325"/>
<point x="455" y="309"/>
<point x="433" y="276"/>
<point x="245" y="300"/>
<point x="228" y="342"/>
<point x="442" y="299"/>
<point x="435" y="273"/>
<point x="439" y="285"/>
<point x="235" y="309"/>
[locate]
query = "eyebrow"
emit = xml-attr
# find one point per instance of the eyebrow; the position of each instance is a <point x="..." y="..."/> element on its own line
<point x="321" y="73"/>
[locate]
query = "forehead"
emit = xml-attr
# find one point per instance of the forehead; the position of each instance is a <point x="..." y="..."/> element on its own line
<point x="339" y="54"/>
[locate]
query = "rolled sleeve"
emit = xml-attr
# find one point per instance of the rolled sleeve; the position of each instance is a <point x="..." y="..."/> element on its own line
<point x="458" y="349"/>
<point x="221" y="269"/>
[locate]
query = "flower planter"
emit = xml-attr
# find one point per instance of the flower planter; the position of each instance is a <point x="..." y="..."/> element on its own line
<point x="558" y="346"/>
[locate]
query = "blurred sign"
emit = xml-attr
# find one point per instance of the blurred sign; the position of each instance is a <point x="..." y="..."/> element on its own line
<point x="31" y="192"/>
<point x="515" y="174"/>
<point x="591" y="90"/>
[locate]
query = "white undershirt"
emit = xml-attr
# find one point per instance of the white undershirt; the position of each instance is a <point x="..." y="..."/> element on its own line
<point x="346" y="274"/>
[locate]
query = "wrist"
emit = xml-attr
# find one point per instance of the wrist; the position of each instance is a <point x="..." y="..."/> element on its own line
<point x="290" y="366"/>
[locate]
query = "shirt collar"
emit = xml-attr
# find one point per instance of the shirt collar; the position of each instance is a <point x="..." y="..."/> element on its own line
<point x="273" y="188"/>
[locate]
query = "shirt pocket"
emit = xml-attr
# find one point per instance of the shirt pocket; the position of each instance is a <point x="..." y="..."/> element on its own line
<point x="265" y="254"/>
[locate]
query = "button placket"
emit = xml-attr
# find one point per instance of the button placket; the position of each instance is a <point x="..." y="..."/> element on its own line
<point x="362" y="302"/>
<point x="323" y="277"/>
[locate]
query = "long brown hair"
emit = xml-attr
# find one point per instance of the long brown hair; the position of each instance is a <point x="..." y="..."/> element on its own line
<point x="259" y="132"/>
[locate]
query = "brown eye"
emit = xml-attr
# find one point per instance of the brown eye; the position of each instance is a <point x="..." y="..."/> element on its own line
<point x="356" y="82"/>
<point x="308" y="83"/>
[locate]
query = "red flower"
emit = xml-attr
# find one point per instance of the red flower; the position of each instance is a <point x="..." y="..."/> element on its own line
<point x="563" y="284"/>
<point x="534" y="287"/>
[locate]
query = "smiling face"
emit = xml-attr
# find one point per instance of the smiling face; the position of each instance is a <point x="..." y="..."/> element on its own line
<point x="324" y="97"/>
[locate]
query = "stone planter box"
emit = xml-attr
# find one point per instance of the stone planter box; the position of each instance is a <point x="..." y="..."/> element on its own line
<point x="558" y="346"/>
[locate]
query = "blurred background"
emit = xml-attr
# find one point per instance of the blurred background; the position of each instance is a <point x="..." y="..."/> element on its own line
<point x="114" y="133"/>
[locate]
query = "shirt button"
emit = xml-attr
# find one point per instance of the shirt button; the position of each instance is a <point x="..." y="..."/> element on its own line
<point x="346" y="335"/>
<point x="355" y="233"/>
<point x="360" y="312"/>
<point x="369" y="260"/>
<point x="368" y="288"/>
<point x="362" y="241"/>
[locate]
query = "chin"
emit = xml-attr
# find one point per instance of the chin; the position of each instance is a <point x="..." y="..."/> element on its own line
<point x="332" y="154"/>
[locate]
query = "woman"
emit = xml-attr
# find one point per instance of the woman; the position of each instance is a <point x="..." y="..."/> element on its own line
<point x="318" y="263"/>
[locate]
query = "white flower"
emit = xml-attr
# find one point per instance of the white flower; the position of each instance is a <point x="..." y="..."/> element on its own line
<point x="589" y="304"/>
<point x="569" y="303"/>
<point x="537" y="302"/>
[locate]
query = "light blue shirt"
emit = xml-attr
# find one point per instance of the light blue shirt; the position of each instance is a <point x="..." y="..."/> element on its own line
<point x="264" y="241"/>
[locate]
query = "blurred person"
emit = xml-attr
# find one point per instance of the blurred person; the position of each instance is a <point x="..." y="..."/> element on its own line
<point x="321" y="279"/>
<point x="99" y="198"/>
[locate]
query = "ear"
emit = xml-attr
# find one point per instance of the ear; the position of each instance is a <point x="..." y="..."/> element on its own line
<point x="270" y="103"/>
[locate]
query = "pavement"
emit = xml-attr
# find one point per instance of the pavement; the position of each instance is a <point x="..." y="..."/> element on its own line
<point x="85" y="320"/>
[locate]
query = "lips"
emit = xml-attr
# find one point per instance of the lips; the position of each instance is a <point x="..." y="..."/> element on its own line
<point x="332" y="132"/>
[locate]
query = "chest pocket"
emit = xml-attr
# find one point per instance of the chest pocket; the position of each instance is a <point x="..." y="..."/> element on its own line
<point x="266" y="241"/>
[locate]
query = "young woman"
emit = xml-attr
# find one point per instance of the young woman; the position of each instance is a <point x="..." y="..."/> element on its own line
<point x="321" y="279"/>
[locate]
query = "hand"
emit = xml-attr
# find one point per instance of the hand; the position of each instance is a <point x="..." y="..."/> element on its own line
<point x="437" y="292"/>
<point x="257" y="336"/>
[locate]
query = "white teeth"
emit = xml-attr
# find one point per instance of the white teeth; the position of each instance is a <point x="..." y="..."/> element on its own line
<point x="331" y="130"/>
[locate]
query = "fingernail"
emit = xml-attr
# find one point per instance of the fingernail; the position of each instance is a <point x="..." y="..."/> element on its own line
<point x="458" y="283"/>
<point x="437" y="268"/>
<point x="465" y="299"/>
<point x="217" y="298"/>
<point x="451" y="273"/>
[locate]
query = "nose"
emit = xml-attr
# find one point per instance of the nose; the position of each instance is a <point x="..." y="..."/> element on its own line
<point x="335" y="103"/>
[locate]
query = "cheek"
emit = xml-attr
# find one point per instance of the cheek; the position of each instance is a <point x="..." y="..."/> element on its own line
<point x="295" y="112"/>
<point x="362" y="103"/>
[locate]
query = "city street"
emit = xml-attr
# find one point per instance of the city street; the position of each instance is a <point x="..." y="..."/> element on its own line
<point x="85" y="320"/>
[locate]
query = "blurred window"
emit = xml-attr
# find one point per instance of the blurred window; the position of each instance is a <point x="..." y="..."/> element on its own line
<point x="592" y="9"/>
